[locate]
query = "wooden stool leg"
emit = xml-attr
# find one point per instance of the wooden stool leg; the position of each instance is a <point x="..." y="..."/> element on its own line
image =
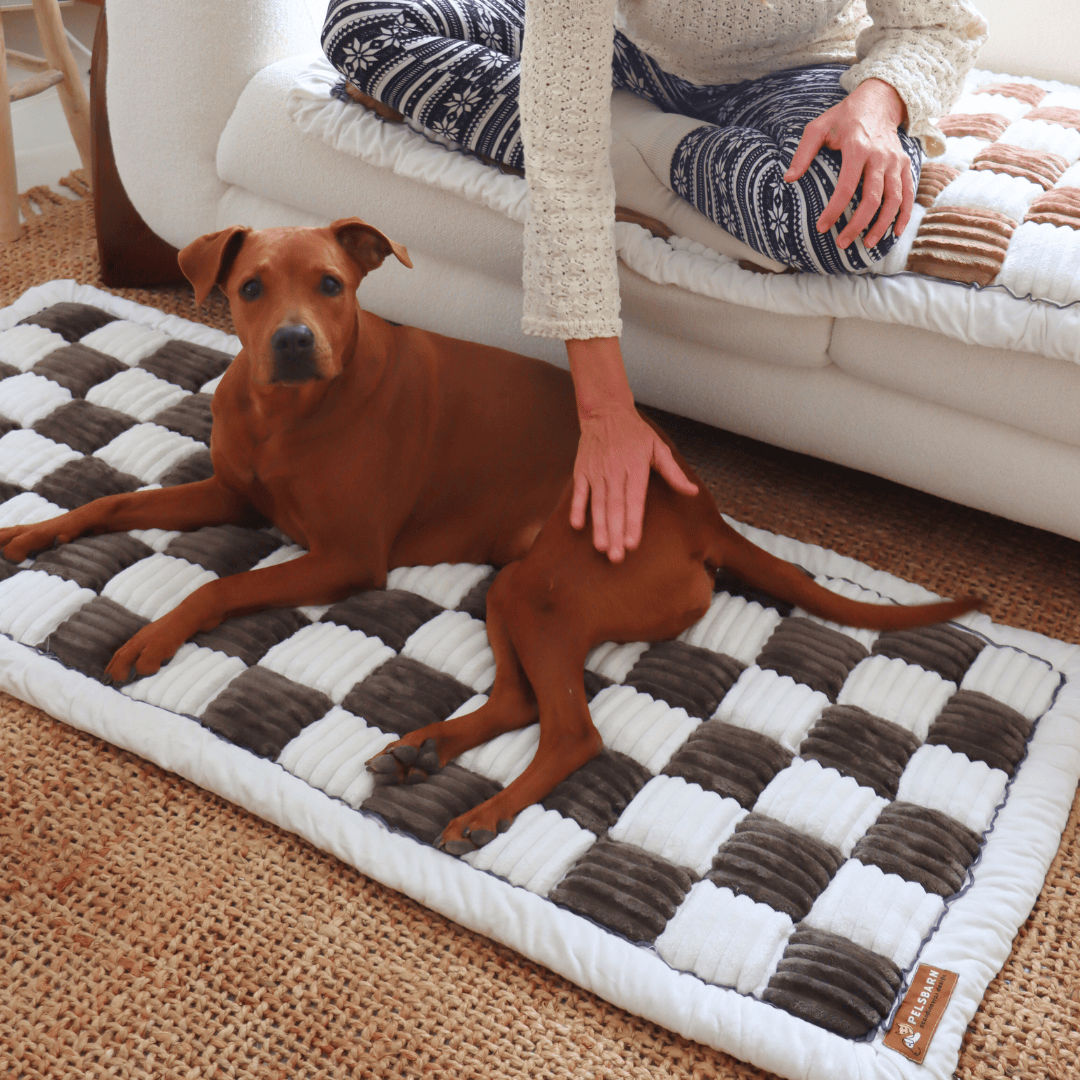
<point x="72" y="94"/>
<point x="9" y="189"/>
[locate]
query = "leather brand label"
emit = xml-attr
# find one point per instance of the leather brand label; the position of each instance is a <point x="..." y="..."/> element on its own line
<point x="921" y="1011"/>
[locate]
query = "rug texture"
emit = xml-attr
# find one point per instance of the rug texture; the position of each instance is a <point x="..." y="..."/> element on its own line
<point x="637" y="675"/>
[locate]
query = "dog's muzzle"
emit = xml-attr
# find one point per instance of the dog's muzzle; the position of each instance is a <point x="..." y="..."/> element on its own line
<point x="294" y="354"/>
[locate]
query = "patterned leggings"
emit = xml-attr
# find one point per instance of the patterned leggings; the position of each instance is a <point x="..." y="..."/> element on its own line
<point x="452" y="66"/>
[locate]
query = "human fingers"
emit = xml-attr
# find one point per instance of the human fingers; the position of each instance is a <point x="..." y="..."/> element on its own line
<point x="873" y="187"/>
<point x="637" y="485"/>
<point x="851" y="170"/>
<point x="813" y="139"/>
<point x="887" y="214"/>
<point x="907" y="201"/>
<point x="616" y="519"/>
<point x="665" y="464"/>
<point x="599" y="504"/>
<point x="580" y="501"/>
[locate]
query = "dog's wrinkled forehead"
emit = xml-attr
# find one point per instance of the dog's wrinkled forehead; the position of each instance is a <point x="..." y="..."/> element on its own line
<point x="289" y="255"/>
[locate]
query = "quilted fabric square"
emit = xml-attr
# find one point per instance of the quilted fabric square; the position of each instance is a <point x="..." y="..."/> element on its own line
<point x="787" y="816"/>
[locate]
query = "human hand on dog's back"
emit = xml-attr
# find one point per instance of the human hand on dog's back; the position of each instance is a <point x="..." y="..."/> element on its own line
<point x="616" y="451"/>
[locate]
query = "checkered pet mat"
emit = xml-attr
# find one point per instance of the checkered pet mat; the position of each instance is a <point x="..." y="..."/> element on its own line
<point x="787" y="817"/>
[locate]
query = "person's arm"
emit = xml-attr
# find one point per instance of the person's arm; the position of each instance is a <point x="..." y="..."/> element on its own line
<point x="570" y="276"/>
<point x="911" y="67"/>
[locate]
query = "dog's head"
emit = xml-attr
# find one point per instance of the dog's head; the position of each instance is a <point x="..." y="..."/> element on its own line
<point x="292" y="291"/>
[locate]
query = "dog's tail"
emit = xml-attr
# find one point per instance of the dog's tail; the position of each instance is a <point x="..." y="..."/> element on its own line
<point x="781" y="579"/>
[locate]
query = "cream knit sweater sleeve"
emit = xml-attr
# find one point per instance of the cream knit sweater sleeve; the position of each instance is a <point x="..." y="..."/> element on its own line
<point x="923" y="49"/>
<point x="569" y="273"/>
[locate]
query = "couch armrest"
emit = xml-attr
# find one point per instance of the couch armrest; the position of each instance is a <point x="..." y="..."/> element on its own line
<point x="175" y="73"/>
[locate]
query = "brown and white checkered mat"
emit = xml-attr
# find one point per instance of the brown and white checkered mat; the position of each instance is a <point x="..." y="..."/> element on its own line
<point x="787" y="819"/>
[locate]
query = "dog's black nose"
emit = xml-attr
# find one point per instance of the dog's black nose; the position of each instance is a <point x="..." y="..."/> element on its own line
<point x="294" y="354"/>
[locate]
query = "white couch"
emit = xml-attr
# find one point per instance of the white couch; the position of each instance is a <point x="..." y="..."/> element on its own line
<point x="206" y="134"/>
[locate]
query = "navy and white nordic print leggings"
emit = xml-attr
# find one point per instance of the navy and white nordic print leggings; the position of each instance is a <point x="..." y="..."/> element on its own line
<point x="452" y="66"/>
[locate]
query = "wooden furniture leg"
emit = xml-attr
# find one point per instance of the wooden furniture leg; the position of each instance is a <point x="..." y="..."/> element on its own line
<point x="9" y="190"/>
<point x="129" y="252"/>
<point x="72" y="95"/>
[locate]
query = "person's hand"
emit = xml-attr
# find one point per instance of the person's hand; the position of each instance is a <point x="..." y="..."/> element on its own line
<point x="863" y="128"/>
<point x="616" y="450"/>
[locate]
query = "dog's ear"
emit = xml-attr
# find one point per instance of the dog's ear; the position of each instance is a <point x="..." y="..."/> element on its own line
<point x="208" y="260"/>
<point x="365" y="245"/>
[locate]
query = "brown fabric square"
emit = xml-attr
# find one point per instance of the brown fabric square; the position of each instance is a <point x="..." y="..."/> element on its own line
<point x="92" y="561"/>
<point x="424" y="810"/>
<point x="195" y="467"/>
<point x="262" y="711"/>
<point x="811" y="653"/>
<point x="1057" y="114"/>
<point x="933" y="179"/>
<point x="89" y="638"/>
<point x="7" y="370"/>
<point x="474" y="602"/>
<point x="7" y="425"/>
<point x="9" y="490"/>
<point x="1037" y="166"/>
<point x="624" y="888"/>
<point x="685" y="676"/>
<point x="596" y="794"/>
<point x="1061" y="207"/>
<point x="78" y="368"/>
<point x="403" y="695"/>
<point x="921" y="845"/>
<point x="251" y="637"/>
<point x="735" y="763"/>
<point x="191" y="417"/>
<point x="223" y="549"/>
<point x="855" y="743"/>
<point x="1021" y="91"/>
<point x="830" y="981"/>
<point x="83" y="426"/>
<point x="186" y="365"/>
<point x="983" y="728"/>
<point x="774" y="864"/>
<point x="948" y="650"/>
<point x="70" y="320"/>
<point x="83" y="480"/>
<point x="961" y="243"/>
<point x="391" y="615"/>
<point x="988" y="126"/>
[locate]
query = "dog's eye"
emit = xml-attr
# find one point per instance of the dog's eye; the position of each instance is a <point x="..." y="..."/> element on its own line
<point x="330" y="286"/>
<point x="252" y="289"/>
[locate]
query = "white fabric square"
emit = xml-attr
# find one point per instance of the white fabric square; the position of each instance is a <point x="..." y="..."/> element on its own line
<point x="27" y="508"/>
<point x="189" y="681"/>
<point x="446" y="584"/>
<point x="28" y="397"/>
<point x="1017" y="679"/>
<point x="33" y="604"/>
<point x="147" y="451"/>
<point x="1009" y="195"/>
<point x="136" y="393"/>
<point x="27" y="457"/>
<point x="1043" y="136"/>
<point x="212" y="385"/>
<point x="725" y="939"/>
<point x="615" y="661"/>
<point x="679" y="821"/>
<point x="456" y="644"/>
<point x="23" y="346"/>
<point x="850" y="591"/>
<point x="333" y="752"/>
<point x="1071" y="177"/>
<point x="895" y="690"/>
<point x="158" y="539"/>
<point x="637" y="725"/>
<point x="961" y="150"/>
<point x="970" y="104"/>
<point x="127" y="342"/>
<point x="773" y="705"/>
<point x="327" y="657"/>
<point x="822" y="803"/>
<point x="734" y="626"/>
<point x="155" y="585"/>
<point x="536" y="851"/>
<point x="881" y="912"/>
<point x="503" y="758"/>
<point x="941" y="779"/>
<point x="1043" y="260"/>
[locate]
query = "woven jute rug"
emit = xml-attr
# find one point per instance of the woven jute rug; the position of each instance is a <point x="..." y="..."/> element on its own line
<point x="224" y="946"/>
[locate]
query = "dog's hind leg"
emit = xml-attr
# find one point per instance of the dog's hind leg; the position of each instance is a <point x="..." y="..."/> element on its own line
<point x="565" y="598"/>
<point x="510" y="705"/>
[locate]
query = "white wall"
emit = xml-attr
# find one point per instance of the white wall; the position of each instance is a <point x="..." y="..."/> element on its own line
<point x="1032" y="37"/>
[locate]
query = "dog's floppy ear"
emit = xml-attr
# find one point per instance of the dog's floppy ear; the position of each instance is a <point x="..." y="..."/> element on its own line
<point x="365" y="245"/>
<point x="208" y="260"/>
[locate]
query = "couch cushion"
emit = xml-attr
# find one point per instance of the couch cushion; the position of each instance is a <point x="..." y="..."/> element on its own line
<point x="1034" y="393"/>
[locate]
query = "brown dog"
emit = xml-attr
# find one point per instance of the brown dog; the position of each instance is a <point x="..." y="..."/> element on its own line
<point x="377" y="446"/>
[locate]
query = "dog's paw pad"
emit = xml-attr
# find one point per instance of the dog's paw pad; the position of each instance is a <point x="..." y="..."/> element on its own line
<point x="428" y="757"/>
<point x="504" y="824"/>
<point x="405" y="754"/>
<point x="480" y="837"/>
<point x="415" y="776"/>
<point x="384" y="763"/>
<point x="457" y="847"/>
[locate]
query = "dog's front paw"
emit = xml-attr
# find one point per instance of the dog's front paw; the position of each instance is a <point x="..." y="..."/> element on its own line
<point x="472" y="831"/>
<point x="20" y="541"/>
<point x="405" y="763"/>
<point x="142" y="655"/>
